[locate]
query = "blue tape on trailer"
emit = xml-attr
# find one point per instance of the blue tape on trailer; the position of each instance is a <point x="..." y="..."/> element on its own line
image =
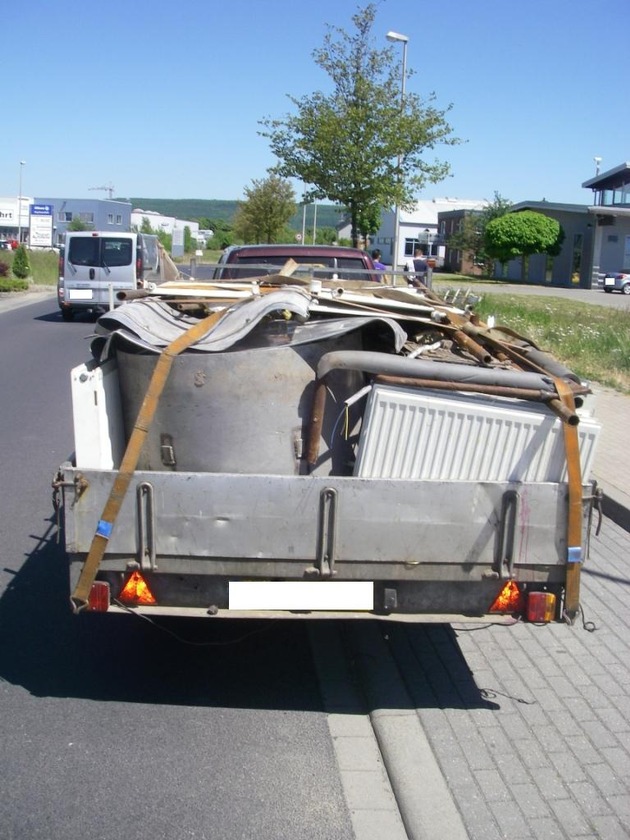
<point x="104" y="529"/>
<point x="574" y="554"/>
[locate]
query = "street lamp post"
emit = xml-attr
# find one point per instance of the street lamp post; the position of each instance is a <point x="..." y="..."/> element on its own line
<point x="396" y="37"/>
<point x="22" y="164"/>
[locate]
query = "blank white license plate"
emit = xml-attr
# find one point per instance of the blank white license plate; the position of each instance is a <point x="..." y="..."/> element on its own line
<point x="301" y="595"/>
<point x="80" y="294"/>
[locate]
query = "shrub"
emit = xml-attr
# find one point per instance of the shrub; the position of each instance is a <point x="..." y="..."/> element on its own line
<point x="4" y="269"/>
<point x="11" y="285"/>
<point x="21" y="267"/>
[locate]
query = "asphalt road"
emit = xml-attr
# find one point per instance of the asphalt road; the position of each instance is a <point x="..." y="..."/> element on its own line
<point x="110" y="727"/>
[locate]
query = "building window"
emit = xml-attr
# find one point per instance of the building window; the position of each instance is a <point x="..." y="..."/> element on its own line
<point x="87" y="217"/>
<point x="64" y="216"/>
<point x="424" y="242"/>
<point x="578" y="244"/>
<point x="110" y="218"/>
<point x="118" y="219"/>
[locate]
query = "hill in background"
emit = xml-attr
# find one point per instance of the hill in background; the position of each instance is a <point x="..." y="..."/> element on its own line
<point x="191" y="209"/>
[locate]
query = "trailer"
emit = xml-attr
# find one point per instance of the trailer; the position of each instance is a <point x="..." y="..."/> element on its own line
<point x="297" y="447"/>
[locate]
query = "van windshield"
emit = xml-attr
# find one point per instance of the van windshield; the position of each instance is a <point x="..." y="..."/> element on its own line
<point x="116" y="252"/>
<point x="84" y="251"/>
<point x="99" y="251"/>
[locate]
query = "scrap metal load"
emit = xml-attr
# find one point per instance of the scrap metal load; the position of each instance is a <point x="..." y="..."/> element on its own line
<point x="439" y="452"/>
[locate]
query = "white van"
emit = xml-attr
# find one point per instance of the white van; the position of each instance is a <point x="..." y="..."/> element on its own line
<point x="94" y="266"/>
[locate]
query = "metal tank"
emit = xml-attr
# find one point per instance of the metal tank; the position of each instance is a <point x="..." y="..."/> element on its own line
<point x="246" y="410"/>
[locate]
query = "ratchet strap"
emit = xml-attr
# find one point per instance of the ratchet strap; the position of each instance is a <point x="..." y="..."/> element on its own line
<point x="81" y="594"/>
<point x="574" y="520"/>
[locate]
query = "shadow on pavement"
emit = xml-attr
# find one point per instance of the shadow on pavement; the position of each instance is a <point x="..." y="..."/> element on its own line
<point x="51" y="652"/>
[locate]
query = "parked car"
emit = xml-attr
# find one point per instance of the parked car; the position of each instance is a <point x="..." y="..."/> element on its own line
<point x="617" y="281"/>
<point x="326" y="261"/>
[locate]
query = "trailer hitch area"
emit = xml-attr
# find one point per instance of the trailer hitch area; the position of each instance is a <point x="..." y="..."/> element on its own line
<point x="324" y="566"/>
<point x="594" y="500"/>
<point x="79" y="483"/>
<point x="506" y="535"/>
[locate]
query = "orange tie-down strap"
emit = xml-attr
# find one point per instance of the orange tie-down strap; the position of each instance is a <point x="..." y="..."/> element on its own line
<point x="79" y="598"/>
<point x="574" y="521"/>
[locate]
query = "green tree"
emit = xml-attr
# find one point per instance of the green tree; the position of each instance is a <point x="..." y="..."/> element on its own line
<point x="264" y="215"/>
<point x="145" y="227"/>
<point x="360" y="146"/>
<point x="78" y="224"/>
<point x="21" y="267"/>
<point x="326" y="236"/>
<point x="471" y="237"/>
<point x="520" y="235"/>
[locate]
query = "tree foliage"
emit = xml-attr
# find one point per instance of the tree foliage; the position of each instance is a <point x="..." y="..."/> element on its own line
<point x="78" y="224"/>
<point x="264" y="215"/>
<point x="21" y="267"/>
<point x="522" y="234"/>
<point x="360" y="146"/>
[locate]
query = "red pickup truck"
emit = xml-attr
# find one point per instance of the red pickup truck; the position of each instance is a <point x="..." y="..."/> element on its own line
<point x="337" y="262"/>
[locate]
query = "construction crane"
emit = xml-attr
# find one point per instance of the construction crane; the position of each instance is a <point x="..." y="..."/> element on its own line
<point x="109" y="189"/>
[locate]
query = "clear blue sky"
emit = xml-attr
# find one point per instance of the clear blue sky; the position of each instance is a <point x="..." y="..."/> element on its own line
<point x="163" y="100"/>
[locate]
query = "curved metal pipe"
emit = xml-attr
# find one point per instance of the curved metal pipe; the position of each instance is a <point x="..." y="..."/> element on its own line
<point x="387" y="364"/>
<point x="546" y="397"/>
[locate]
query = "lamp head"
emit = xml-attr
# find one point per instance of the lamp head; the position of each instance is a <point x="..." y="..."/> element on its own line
<point x="396" y="36"/>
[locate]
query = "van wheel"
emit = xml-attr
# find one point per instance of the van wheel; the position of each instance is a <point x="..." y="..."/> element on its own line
<point x="67" y="314"/>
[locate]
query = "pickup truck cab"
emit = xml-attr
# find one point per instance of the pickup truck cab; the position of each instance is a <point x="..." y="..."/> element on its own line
<point x="334" y="262"/>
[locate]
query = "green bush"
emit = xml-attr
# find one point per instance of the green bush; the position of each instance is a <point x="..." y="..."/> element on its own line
<point x="11" y="285"/>
<point x="21" y="267"/>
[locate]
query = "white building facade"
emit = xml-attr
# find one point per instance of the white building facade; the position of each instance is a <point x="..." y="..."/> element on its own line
<point x="418" y="228"/>
<point x="158" y="222"/>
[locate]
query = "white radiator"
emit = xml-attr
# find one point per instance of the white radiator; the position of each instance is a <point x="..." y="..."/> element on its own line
<point x="424" y="434"/>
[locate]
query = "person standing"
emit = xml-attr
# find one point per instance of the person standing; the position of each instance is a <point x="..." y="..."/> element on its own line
<point x="416" y="268"/>
<point x="376" y="259"/>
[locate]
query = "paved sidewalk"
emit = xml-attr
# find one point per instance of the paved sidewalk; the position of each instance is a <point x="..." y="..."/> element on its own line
<point x="612" y="458"/>
<point x="531" y="725"/>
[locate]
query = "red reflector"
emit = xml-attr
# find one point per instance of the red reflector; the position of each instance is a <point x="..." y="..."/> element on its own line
<point x="541" y="606"/>
<point x="98" y="600"/>
<point x="136" y="591"/>
<point x="509" y="600"/>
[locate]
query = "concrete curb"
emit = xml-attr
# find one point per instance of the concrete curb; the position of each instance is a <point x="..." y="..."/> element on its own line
<point x="426" y="805"/>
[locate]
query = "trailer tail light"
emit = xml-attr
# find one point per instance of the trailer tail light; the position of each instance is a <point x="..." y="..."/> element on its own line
<point x="98" y="600"/>
<point x="136" y="591"/>
<point x="509" y="600"/>
<point x="541" y="606"/>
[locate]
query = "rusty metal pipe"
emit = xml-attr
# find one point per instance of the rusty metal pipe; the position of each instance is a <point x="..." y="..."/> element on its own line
<point x="316" y="422"/>
<point x="531" y="394"/>
<point x="466" y="343"/>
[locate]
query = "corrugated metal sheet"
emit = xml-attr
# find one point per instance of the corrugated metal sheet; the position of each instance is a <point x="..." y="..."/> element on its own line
<point x="422" y="434"/>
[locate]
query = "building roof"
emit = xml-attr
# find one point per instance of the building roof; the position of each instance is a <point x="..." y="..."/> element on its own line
<point x="611" y="178"/>
<point x="426" y="211"/>
<point x="549" y="205"/>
